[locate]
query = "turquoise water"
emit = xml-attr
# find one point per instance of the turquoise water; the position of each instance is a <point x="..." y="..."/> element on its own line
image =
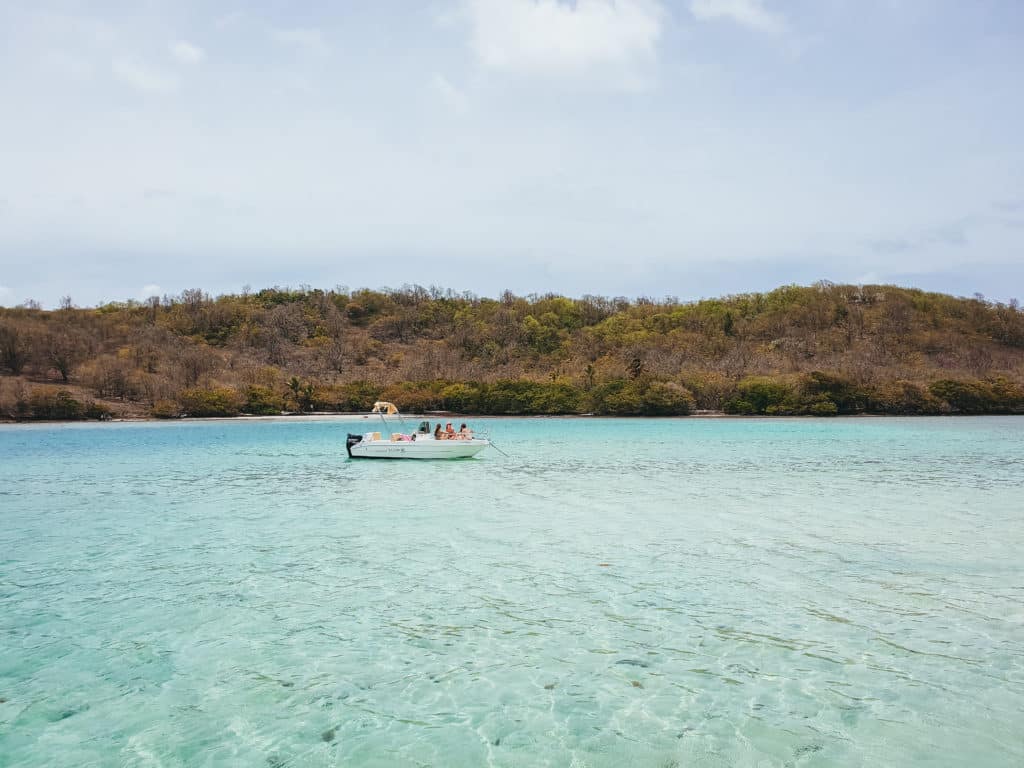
<point x="616" y="593"/>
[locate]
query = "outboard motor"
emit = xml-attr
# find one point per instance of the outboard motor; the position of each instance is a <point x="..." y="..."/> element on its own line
<point x="352" y="440"/>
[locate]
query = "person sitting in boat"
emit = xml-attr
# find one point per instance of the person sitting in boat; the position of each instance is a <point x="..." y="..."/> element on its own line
<point x="449" y="432"/>
<point x="438" y="435"/>
<point x="465" y="432"/>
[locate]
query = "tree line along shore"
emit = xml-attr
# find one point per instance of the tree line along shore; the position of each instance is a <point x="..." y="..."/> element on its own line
<point x="820" y="350"/>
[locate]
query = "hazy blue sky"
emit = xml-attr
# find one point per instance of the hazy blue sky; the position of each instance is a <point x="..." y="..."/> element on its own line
<point x="684" y="147"/>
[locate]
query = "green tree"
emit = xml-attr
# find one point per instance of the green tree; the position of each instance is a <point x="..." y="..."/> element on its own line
<point x="461" y="398"/>
<point x="666" y="398"/>
<point x="262" y="401"/>
<point x="212" y="402"/>
<point x="617" y="398"/>
<point x="759" y="393"/>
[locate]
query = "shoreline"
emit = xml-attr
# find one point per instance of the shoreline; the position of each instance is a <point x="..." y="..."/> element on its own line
<point x="435" y="415"/>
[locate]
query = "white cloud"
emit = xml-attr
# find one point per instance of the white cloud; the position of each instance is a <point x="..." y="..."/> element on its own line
<point x="308" y="39"/>
<point x="152" y="289"/>
<point x="143" y="77"/>
<point x="554" y="37"/>
<point x="187" y="53"/>
<point x="451" y="95"/>
<point x="747" y="13"/>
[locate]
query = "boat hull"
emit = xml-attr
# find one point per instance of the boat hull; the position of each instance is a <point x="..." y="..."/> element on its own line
<point x="424" y="449"/>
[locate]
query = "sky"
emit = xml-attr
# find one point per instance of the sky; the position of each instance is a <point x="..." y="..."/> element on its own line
<point x="682" y="148"/>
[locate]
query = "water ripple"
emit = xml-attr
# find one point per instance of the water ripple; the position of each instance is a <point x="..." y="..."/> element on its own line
<point x="649" y="593"/>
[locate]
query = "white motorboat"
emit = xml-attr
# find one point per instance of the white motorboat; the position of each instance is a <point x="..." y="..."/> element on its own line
<point x="421" y="444"/>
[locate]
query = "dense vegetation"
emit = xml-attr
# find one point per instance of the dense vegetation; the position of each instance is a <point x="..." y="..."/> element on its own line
<point x="823" y="349"/>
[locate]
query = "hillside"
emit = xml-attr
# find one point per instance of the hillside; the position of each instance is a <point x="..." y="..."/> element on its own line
<point x="821" y="349"/>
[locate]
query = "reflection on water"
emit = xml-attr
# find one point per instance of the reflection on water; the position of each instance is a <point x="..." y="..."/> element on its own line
<point x="649" y="593"/>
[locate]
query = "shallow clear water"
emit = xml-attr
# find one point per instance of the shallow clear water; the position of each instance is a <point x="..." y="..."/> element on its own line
<point x="617" y="593"/>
